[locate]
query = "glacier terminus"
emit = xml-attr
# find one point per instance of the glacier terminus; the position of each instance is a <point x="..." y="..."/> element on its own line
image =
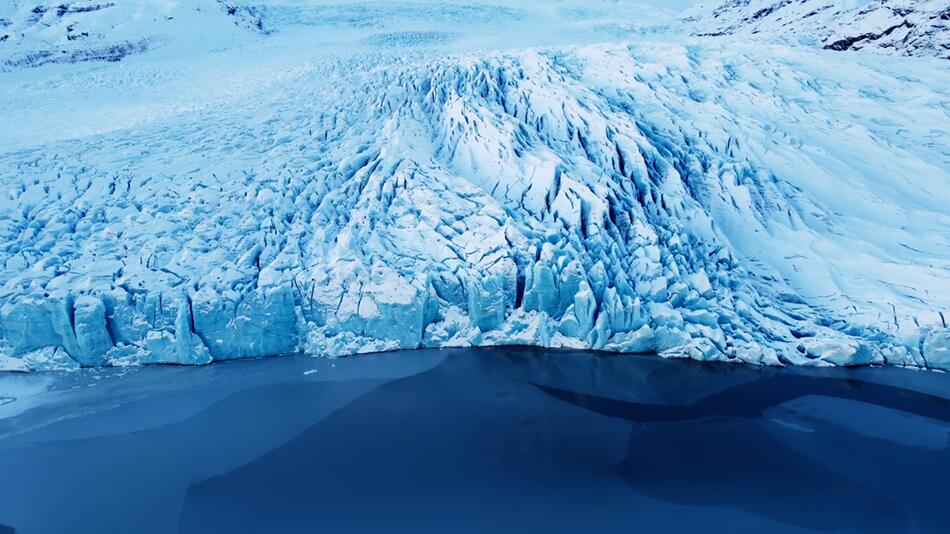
<point x="186" y="182"/>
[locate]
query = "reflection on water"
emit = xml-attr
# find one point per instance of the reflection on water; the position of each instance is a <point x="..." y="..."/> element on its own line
<point x="772" y="479"/>
<point x="476" y="440"/>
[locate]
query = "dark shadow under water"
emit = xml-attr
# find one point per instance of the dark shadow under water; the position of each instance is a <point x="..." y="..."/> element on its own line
<point x="504" y="439"/>
<point x="721" y="450"/>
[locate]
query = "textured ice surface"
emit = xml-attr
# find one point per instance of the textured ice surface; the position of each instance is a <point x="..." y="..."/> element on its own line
<point x="704" y="199"/>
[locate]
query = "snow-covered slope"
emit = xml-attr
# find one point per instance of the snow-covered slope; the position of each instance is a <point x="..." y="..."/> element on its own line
<point x="903" y="27"/>
<point x="35" y="33"/>
<point x="717" y="201"/>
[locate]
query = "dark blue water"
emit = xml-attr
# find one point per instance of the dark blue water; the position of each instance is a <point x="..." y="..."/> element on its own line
<point x="487" y="440"/>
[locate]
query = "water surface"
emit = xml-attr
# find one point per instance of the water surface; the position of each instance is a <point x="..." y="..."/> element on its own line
<point x="475" y="440"/>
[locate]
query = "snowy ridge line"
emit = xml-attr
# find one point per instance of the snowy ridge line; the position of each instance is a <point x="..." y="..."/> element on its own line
<point x="900" y="27"/>
<point x="608" y="197"/>
<point x="109" y="53"/>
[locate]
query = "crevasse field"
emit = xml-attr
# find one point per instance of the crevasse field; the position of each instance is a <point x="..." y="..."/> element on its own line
<point x="199" y="181"/>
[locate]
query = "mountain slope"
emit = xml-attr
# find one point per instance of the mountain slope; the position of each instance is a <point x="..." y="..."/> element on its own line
<point x="35" y="33"/>
<point x="902" y="27"/>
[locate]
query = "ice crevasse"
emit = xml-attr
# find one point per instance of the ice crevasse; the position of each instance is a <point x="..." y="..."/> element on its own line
<point x="710" y="202"/>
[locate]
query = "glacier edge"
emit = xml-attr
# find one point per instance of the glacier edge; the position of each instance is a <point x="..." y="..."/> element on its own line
<point x="633" y="198"/>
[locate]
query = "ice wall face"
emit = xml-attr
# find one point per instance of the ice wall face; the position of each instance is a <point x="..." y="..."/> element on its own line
<point x="693" y="201"/>
<point x="900" y="27"/>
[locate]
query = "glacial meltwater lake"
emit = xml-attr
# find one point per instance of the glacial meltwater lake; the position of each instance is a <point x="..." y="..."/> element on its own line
<point x="475" y="440"/>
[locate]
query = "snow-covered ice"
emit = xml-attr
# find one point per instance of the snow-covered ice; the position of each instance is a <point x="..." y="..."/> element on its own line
<point x="336" y="179"/>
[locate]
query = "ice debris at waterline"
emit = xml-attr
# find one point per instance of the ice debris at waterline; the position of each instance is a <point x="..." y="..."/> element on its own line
<point x="713" y="202"/>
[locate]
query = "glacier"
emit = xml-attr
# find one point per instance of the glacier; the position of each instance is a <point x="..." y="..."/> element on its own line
<point x="405" y="187"/>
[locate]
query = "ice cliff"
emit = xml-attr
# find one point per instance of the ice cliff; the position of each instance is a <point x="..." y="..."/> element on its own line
<point x="712" y="201"/>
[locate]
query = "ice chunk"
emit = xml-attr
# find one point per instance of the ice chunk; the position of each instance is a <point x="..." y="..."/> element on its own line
<point x="936" y="349"/>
